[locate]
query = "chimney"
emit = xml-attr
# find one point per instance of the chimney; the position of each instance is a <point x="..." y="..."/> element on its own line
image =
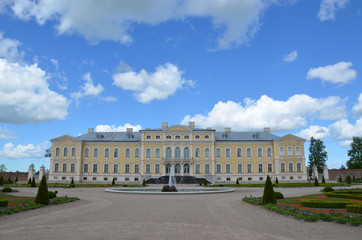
<point x="164" y="125"/>
<point x="228" y="129"/>
<point x="90" y="130"/>
<point x="267" y="129"/>
<point x="129" y="130"/>
<point x="191" y="124"/>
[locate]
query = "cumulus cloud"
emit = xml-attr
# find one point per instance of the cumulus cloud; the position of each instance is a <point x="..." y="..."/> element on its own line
<point x="281" y="116"/>
<point x="88" y="89"/>
<point x="237" y="21"/>
<point x="291" y="57"/>
<point x="9" y="49"/>
<point x="6" y="134"/>
<point x="339" y="73"/>
<point x="27" y="97"/>
<point x="357" y="109"/>
<point x="23" y="151"/>
<point x="328" y="9"/>
<point x="318" y="132"/>
<point x="343" y="130"/>
<point x="114" y="128"/>
<point x="161" y="84"/>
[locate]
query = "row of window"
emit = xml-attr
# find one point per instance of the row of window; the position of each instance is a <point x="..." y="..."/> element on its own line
<point x="177" y="137"/>
<point x="289" y="151"/>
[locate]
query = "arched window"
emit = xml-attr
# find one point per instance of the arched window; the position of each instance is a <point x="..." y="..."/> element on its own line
<point x="207" y="136"/>
<point x="86" y="152"/>
<point x="158" y="153"/>
<point x="248" y="152"/>
<point x="158" y="137"/>
<point x="177" y="153"/>
<point x="281" y="151"/>
<point x="64" y="167"/>
<point x="106" y="153"/>
<point x="239" y="153"/>
<point x="56" y="167"/>
<point x="207" y="152"/>
<point x="168" y="153"/>
<point x="136" y="168"/>
<point x="177" y="168"/>
<point x="126" y="168"/>
<point x="269" y="152"/>
<point x="197" y="153"/>
<point x="297" y="151"/>
<point x="65" y="152"/>
<point x="186" y="153"/>
<point x="186" y="137"/>
<point x="177" y="137"/>
<point x="227" y="153"/>
<point x="74" y="150"/>
<point x="95" y="168"/>
<point x="168" y="168"/>
<point x="148" y="152"/>
<point x="128" y="153"/>
<point x="57" y="152"/>
<point x="260" y="152"/>
<point x="187" y="168"/>
<point x="168" y="137"/>
<point x="290" y="151"/>
<point x="218" y="152"/>
<point x="148" y="137"/>
<point x="197" y="137"/>
<point x="207" y="168"/>
<point x="137" y="153"/>
<point x="95" y="152"/>
<point x="115" y="153"/>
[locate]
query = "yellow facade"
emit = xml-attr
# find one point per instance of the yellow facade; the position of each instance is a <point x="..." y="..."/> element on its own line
<point x="202" y="153"/>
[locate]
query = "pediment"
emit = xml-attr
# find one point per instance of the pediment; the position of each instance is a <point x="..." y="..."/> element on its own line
<point x="65" y="138"/>
<point x="290" y="137"/>
<point x="178" y="128"/>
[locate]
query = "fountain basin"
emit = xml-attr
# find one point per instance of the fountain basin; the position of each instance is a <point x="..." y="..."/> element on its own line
<point x="181" y="190"/>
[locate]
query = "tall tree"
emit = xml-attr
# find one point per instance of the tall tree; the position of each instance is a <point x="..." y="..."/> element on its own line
<point x="317" y="154"/>
<point x="355" y="154"/>
<point x="48" y="152"/>
<point x="2" y="168"/>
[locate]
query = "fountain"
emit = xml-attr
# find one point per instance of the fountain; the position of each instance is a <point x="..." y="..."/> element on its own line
<point x="171" y="187"/>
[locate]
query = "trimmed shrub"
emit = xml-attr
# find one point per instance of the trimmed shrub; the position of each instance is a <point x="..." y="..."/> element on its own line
<point x="114" y="181"/>
<point x="1" y="180"/>
<point x="33" y="184"/>
<point x="16" y="179"/>
<point x="124" y="185"/>
<point x="348" y="179"/>
<point x="72" y="185"/>
<point x="323" y="204"/>
<point x="4" y="203"/>
<point x="42" y="197"/>
<point x="205" y="182"/>
<point x="6" y="189"/>
<point x="268" y="196"/>
<point x="144" y="182"/>
<point x="328" y="189"/>
<point x="340" y="179"/>
<point x="344" y="195"/>
<point x="323" y="179"/>
<point x="237" y="181"/>
<point x="52" y="195"/>
<point x="29" y="182"/>
<point x="279" y="195"/>
<point x="316" y="183"/>
<point x="354" y="208"/>
<point x="276" y="180"/>
<point x="353" y="178"/>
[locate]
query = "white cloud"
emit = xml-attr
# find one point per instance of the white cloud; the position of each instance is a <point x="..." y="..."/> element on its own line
<point x="328" y="9"/>
<point x="357" y="109"/>
<point x="339" y="73"/>
<point x="24" y="151"/>
<point x="95" y="20"/>
<point x="109" y="99"/>
<point x="27" y="97"/>
<point x="161" y="84"/>
<point x="113" y="128"/>
<point x="291" y="57"/>
<point x="280" y="116"/>
<point x="88" y="89"/>
<point x="317" y="132"/>
<point x="6" y="134"/>
<point x="345" y="143"/>
<point x="9" y="49"/>
<point x="343" y="130"/>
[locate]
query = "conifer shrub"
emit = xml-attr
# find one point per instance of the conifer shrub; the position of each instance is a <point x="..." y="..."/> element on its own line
<point x="16" y="179"/>
<point x="279" y="195"/>
<point x="205" y="182"/>
<point x="52" y="195"/>
<point x="6" y="189"/>
<point x="348" y="179"/>
<point x="268" y="196"/>
<point x="1" y="180"/>
<point x="33" y="184"/>
<point x="328" y="189"/>
<point x="42" y="197"/>
<point x="144" y="182"/>
<point x="340" y="179"/>
<point x="237" y="181"/>
<point x="4" y="203"/>
<point x="276" y="180"/>
<point x="29" y="182"/>
<point x="323" y="180"/>
<point x="353" y="178"/>
<point x="114" y="181"/>
<point x="72" y="185"/>
<point x="316" y="183"/>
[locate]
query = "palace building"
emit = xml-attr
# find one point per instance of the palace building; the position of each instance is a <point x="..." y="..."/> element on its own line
<point x="219" y="157"/>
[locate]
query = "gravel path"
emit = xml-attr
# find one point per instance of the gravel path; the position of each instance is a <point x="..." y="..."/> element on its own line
<point x="101" y="215"/>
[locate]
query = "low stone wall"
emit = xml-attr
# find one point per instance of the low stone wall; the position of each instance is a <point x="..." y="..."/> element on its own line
<point x="335" y="174"/>
<point x="22" y="176"/>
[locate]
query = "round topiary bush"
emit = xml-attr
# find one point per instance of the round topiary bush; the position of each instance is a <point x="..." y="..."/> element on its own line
<point x="52" y="194"/>
<point x="328" y="189"/>
<point x="279" y="195"/>
<point x="6" y="189"/>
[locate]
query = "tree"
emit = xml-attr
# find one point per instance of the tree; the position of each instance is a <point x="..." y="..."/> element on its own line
<point x="348" y="179"/>
<point x="269" y="195"/>
<point x="317" y="154"/>
<point x="48" y="152"/>
<point x="72" y="185"/>
<point x="42" y="196"/>
<point x="323" y="179"/>
<point x="237" y="181"/>
<point x="33" y="183"/>
<point x="114" y="181"/>
<point x="342" y="167"/>
<point x="355" y="154"/>
<point x="316" y="183"/>
<point x="3" y="168"/>
<point x="29" y="182"/>
<point x="276" y="180"/>
<point x="1" y="180"/>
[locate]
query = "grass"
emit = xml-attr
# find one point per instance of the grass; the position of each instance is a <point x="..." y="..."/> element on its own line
<point x="281" y="185"/>
<point x="66" y="185"/>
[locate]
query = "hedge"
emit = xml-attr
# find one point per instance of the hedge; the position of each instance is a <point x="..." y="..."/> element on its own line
<point x="354" y="208"/>
<point x="6" y="189"/>
<point x="323" y="204"/>
<point x="344" y="195"/>
<point x="3" y="203"/>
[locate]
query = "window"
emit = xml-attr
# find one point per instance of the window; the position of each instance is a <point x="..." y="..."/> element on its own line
<point x="128" y="153"/>
<point x="249" y="167"/>
<point x="137" y="153"/>
<point x="136" y="179"/>
<point x="105" y="179"/>
<point x="86" y="152"/>
<point x="56" y="167"/>
<point x="157" y="168"/>
<point x="105" y="169"/>
<point x="126" y="179"/>
<point x="148" y="153"/>
<point x="126" y="169"/>
<point x="187" y="137"/>
<point x="299" y="167"/>
<point x="260" y="152"/>
<point x="158" y="153"/>
<point x="95" y="168"/>
<point x="168" y="153"/>
<point x="269" y="152"/>
<point x="207" y="136"/>
<point x="283" y="178"/>
<point x="72" y="167"/>
<point x="270" y="167"/>
<point x="239" y="153"/>
<point x="136" y="168"/>
<point x="207" y="152"/>
<point x="282" y="167"/>
<point x="177" y="153"/>
<point x="240" y="168"/>
<point x="85" y="178"/>
<point x="207" y="168"/>
<point x="148" y="137"/>
<point x="290" y="167"/>
<point x="94" y="179"/>
<point x="148" y="168"/>
<point x="228" y="179"/>
<point x="197" y="152"/>
<point x="85" y="167"/>
<point x="115" y="168"/>
<point x="177" y="137"/>
<point x="106" y="153"/>
<point x="260" y="178"/>
<point x="57" y="152"/>
<point x="281" y="151"/>
<point x="290" y="151"/>
<point x="115" y="153"/>
<point x="73" y="151"/>
<point x="227" y="168"/>
<point x="186" y="153"/>
<point x="260" y="167"/>
<point x="65" y="152"/>
<point x="64" y="178"/>
<point x="187" y="168"/>
<point x="297" y="151"/>
<point x="95" y="152"/>
<point x="168" y="137"/>
<point x="227" y="153"/>
<point x="197" y="137"/>
<point x="218" y="152"/>
<point x="248" y="152"/>
<point x="197" y="168"/>
<point x="218" y="168"/>
<point x="64" y="167"/>
<point x="158" y="137"/>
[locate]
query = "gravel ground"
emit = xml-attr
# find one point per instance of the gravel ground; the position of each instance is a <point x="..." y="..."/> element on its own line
<point x="101" y="215"/>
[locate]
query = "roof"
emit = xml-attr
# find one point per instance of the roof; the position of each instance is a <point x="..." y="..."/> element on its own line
<point x="244" y="136"/>
<point x="111" y="137"/>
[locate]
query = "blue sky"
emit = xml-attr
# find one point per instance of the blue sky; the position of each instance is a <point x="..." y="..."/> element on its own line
<point x="66" y="66"/>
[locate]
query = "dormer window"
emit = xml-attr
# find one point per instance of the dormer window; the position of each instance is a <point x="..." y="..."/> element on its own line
<point x="187" y="137"/>
<point x="197" y="137"/>
<point x="148" y="137"/>
<point x="158" y="137"/>
<point x="207" y="136"/>
<point x="168" y="137"/>
<point x="177" y="137"/>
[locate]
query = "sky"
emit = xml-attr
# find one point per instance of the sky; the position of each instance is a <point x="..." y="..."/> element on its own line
<point x="68" y="65"/>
